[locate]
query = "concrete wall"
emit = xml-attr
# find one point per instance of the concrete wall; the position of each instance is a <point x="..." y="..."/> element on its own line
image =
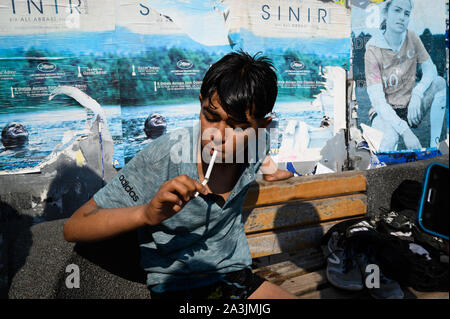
<point x="381" y="182"/>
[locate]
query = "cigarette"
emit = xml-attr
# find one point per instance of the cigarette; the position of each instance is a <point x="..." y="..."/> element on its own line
<point x="208" y="171"/>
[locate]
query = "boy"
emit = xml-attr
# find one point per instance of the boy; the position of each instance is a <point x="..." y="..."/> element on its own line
<point x="194" y="246"/>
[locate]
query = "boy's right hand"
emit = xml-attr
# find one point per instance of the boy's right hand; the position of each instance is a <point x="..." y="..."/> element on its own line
<point x="171" y="197"/>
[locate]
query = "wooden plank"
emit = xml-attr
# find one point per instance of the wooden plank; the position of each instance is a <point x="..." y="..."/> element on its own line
<point x="301" y="213"/>
<point x="298" y="265"/>
<point x="305" y="187"/>
<point x="273" y="242"/>
<point x="281" y="257"/>
<point x="306" y="283"/>
<point x="410" y="293"/>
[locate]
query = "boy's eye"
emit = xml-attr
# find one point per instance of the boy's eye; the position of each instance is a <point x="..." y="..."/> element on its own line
<point x="209" y="117"/>
<point x="230" y="122"/>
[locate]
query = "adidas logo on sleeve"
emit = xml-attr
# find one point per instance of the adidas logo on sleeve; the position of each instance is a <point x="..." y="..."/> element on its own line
<point x="128" y="188"/>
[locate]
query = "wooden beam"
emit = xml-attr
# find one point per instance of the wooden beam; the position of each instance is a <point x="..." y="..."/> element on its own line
<point x="299" y="264"/>
<point x="305" y="187"/>
<point x="301" y="213"/>
<point x="273" y="242"/>
<point x="307" y="283"/>
<point x="410" y="293"/>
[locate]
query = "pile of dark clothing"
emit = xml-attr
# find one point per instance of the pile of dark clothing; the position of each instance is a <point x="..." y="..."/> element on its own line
<point x="386" y="251"/>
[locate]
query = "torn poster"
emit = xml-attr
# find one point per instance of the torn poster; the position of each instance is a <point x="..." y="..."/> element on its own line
<point x="308" y="42"/>
<point x="46" y="45"/>
<point x="165" y="49"/>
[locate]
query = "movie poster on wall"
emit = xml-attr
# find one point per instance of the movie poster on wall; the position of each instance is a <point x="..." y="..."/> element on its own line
<point x="58" y="73"/>
<point x="308" y="42"/>
<point x="399" y="69"/>
<point x="165" y="49"/>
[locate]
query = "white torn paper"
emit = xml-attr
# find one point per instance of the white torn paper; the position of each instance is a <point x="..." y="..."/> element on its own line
<point x="373" y="137"/>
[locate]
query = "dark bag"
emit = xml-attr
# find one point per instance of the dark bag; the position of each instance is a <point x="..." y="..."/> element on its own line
<point x="404" y="204"/>
<point x="406" y="196"/>
<point x="393" y="255"/>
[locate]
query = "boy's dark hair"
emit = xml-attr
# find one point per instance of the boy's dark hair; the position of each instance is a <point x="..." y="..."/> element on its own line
<point x="242" y="82"/>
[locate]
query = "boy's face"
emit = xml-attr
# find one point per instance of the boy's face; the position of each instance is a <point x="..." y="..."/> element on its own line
<point x="223" y="133"/>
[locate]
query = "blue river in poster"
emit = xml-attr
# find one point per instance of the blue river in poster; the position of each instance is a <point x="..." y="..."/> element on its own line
<point x="47" y="127"/>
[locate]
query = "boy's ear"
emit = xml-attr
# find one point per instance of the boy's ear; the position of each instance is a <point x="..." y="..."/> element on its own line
<point x="200" y="97"/>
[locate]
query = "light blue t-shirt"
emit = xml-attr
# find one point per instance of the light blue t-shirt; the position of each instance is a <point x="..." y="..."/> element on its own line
<point x="203" y="238"/>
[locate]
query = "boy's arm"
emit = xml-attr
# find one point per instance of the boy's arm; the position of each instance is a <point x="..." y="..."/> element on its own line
<point x="92" y="222"/>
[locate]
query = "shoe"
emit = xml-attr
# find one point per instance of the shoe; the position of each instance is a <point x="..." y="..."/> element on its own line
<point x="342" y="270"/>
<point x="388" y="288"/>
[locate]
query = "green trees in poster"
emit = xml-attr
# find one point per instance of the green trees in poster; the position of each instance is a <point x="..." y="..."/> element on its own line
<point x="110" y="79"/>
<point x="97" y="76"/>
<point x="309" y="77"/>
<point x="140" y="89"/>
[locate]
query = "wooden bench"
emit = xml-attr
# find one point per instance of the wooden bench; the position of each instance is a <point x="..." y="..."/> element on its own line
<point x="284" y="222"/>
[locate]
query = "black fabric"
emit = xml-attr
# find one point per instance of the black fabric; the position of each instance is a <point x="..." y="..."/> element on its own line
<point x="406" y="221"/>
<point x="399" y="263"/>
<point x="398" y="224"/>
<point x="340" y="228"/>
<point x="405" y="202"/>
<point x="386" y="239"/>
<point x="406" y="196"/>
<point x="392" y="254"/>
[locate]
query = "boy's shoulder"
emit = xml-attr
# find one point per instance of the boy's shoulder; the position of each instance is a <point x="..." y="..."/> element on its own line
<point x="162" y="146"/>
<point x="153" y="164"/>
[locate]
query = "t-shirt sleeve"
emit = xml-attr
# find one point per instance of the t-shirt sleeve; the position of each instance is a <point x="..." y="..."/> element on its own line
<point x="422" y="54"/>
<point x="137" y="182"/>
<point x="122" y="191"/>
<point x="371" y="67"/>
